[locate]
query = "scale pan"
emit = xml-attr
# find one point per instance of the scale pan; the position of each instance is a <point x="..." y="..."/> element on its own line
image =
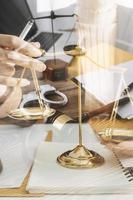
<point x="74" y="50"/>
<point x="71" y="50"/>
<point x="32" y="113"/>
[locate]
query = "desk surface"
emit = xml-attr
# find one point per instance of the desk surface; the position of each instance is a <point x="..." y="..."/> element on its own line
<point x="91" y="104"/>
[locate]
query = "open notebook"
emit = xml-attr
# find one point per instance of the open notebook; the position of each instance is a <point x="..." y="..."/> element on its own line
<point x="50" y="178"/>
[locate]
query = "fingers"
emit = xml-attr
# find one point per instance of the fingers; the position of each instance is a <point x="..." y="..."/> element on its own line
<point x="36" y="44"/>
<point x="25" y="61"/>
<point x="15" y="43"/>
<point x="126" y="145"/>
<point x="4" y="92"/>
<point x="21" y="60"/>
<point x="12" y="102"/>
<point x="7" y="69"/>
<point x="126" y="148"/>
<point x="123" y="148"/>
<point x="113" y="146"/>
<point x="12" y="82"/>
<point x="3" y="89"/>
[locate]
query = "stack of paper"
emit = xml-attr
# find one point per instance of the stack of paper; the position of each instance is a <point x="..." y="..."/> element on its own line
<point x="17" y="149"/>
<point x="18" y="146"/>
<point x="49" y="177"/>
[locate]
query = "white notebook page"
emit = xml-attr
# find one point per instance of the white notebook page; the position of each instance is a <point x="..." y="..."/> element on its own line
<point x="49" y="177"/>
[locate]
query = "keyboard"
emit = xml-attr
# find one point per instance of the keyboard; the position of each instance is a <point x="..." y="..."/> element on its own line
<point x="46" y="39"/>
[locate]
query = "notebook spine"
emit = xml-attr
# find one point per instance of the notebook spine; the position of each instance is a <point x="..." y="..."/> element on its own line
<point x="128" y="171"/>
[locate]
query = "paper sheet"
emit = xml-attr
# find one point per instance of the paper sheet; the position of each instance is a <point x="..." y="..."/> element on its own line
<point x="17" y="148"/>
<point x="104" y="84"/>
<point x="48" y="177"/>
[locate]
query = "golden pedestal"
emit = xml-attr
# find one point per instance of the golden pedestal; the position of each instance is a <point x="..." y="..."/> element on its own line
<point x="80" y="158"/>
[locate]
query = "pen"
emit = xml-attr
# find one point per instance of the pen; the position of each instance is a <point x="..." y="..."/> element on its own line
<point x="26" y="29"/>
<point x="116" y="135"/>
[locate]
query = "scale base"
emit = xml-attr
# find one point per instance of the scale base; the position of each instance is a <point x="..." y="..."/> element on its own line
<point x="31" y="113"/>
<point x="56" y="70"/>
<point x="80" y="158"/>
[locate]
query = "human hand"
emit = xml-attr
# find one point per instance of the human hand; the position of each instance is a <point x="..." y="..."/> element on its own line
<point x="14" y="51"/>
<point x="124" y="148"/>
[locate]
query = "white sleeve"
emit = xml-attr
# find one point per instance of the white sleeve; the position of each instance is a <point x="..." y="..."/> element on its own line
<point x="96" y="11"/>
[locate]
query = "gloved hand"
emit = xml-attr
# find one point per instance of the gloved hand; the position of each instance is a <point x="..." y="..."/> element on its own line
<point x="14" y="51"/>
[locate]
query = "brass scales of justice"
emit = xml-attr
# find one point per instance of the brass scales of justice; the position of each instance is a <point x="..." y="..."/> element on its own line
<point x="78" y="158"/>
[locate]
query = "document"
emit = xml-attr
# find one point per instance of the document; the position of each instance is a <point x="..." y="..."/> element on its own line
<point x="17" y="149"/>
<point x="106" y="83"/>
<point x="18" y="146"/>
<point x="48" y="177"/>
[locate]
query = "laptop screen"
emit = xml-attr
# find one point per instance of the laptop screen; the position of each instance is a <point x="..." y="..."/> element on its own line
<point x="14" y="15"/>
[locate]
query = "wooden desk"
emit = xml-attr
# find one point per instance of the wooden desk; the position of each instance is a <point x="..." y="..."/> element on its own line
<point x="90" y="105"/>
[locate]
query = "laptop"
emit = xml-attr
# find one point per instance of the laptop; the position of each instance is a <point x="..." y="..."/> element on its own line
<point x="17" y="15"/>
